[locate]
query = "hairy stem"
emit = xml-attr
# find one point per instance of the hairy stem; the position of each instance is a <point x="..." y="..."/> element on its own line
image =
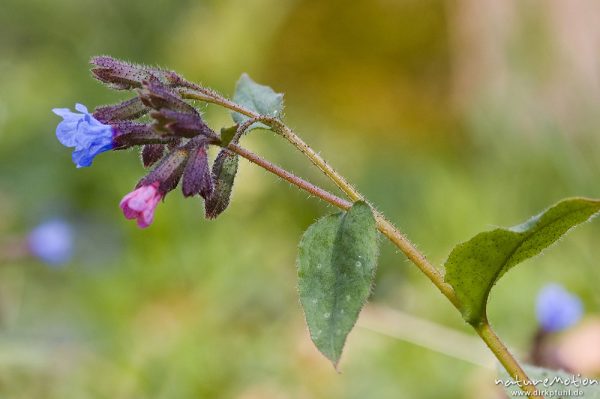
<point x="383" y="225"/>
<point x="506" y="359"/>
<point x="291" y="178"/>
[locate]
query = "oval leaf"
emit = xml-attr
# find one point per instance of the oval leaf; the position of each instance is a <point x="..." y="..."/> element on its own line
<point x="336" y="264"/>
<point x="223" y="171"/>
<point x="258" y="98"/>
<point x="474" y="266"/>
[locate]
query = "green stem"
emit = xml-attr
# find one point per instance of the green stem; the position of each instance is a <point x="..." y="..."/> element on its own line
<point x="384" y="226"/>
<point x="509" y="363"/>
<point x="291" y="178"/>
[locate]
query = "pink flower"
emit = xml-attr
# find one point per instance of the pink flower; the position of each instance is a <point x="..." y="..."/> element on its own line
<point x="140" y="204"/>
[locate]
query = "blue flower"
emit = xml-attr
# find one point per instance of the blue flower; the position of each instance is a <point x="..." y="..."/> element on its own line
<point x="557" y="309"/>
<point x="52" y="242"/>
<point x="89" y="136"/>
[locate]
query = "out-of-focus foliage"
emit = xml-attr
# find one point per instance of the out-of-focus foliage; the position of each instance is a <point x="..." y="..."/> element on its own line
<point x="450" y="116"/>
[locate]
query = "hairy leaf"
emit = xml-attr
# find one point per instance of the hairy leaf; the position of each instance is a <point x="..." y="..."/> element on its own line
<point x="474" y="266"/>
<point x="258" y="98"/>
<point x="336" y="264"/>
<point x="564" y="385"/>
<point x="223" y="171"/>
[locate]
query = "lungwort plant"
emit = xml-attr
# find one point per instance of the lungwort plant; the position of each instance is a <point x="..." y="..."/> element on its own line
<point x="337" y="255"/>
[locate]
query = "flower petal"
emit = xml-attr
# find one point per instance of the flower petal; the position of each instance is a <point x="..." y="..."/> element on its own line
<point x="81" y="108"/>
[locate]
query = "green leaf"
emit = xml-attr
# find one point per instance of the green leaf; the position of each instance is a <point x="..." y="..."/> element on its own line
<point x="224" y="171"/>
<point x="258" y="98"/>
<point x="557" y="384"/>
<point x="336" y="266"/>
<point x="227" y="134"/>
<point x="474" y="266"/>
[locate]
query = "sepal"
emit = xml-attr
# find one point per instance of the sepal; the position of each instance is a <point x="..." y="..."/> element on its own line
<point x="151" y="154"/>
<point x="168" y="172"/>
<point x="126" y="110"/>
<point x="197" y="178"/>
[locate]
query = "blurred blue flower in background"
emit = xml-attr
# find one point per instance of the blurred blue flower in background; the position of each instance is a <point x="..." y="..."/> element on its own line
<point x="52" y="242"/>
<point x="557" y="309"/>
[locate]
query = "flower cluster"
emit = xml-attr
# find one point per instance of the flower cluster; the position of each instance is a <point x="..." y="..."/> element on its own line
<point x="171" y="133"/>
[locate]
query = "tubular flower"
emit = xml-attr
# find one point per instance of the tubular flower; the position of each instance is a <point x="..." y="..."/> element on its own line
<point x="141" y="203"/>
<point x="85" y="133"/>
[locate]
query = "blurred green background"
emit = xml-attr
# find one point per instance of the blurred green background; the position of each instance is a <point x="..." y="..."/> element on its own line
<point x="451" y="116"/>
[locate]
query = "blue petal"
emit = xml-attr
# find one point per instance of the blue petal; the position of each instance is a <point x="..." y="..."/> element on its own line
<point x="64" y="112"/>
<point x="81" y="158"/>
<point x="89" y="136"/>
<point x="81" y="108"/>
<point x="66" y="133"/>
<point x="84" y="156"/>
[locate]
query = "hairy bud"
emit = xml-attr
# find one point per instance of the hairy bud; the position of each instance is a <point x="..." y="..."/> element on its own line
<point x="126" y="110"/>
<point x="181" y="124"/>
<point x="197" y="177"/>
<point x="156" y="95"/>
<point x="224" y="171"/>
<point x="128" y="134"/>
<point x="152" y="153"/>
<point x="121" y="75"/>
<point x="168" y="172"/>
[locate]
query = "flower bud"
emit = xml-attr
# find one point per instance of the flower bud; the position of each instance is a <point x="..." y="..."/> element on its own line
<point x="128" y="134"/>
<point x="118" y="74"/>
<point x="181" y="124"/>
<point x="224" y="171"/>
<point x="141" y="203"/>
<point x="121" y="75"/>
<point x="197" y="178"/>
<point x="152" y="153"/>
<point x="168" y="172"/>
<point x="156" y="95"/>
<point x="126" y="110"/>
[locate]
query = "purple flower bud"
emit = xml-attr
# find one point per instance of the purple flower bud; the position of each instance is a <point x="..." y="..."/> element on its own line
<point x="156" y="95"/>
<point x="152" y="153"/>
<point x="85" y="133"/>
<point x="223" y="172"/>
<point x="128" y="134"/>
<point x="557" y="309"/>
<point x="126" y="110"/>
<point x="52" y="242"/>
<point x="182" y="124"/>
<point x="168" y="172"/>
<point x="197" y="178"/>
<point x="141" y="203"/>
<point x="119" y="75"/>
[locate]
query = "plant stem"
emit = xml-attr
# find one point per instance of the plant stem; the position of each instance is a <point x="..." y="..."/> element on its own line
<point x="383" y="225"/>
<point x="291" y="178"/>
<point x="509" y="363"/>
